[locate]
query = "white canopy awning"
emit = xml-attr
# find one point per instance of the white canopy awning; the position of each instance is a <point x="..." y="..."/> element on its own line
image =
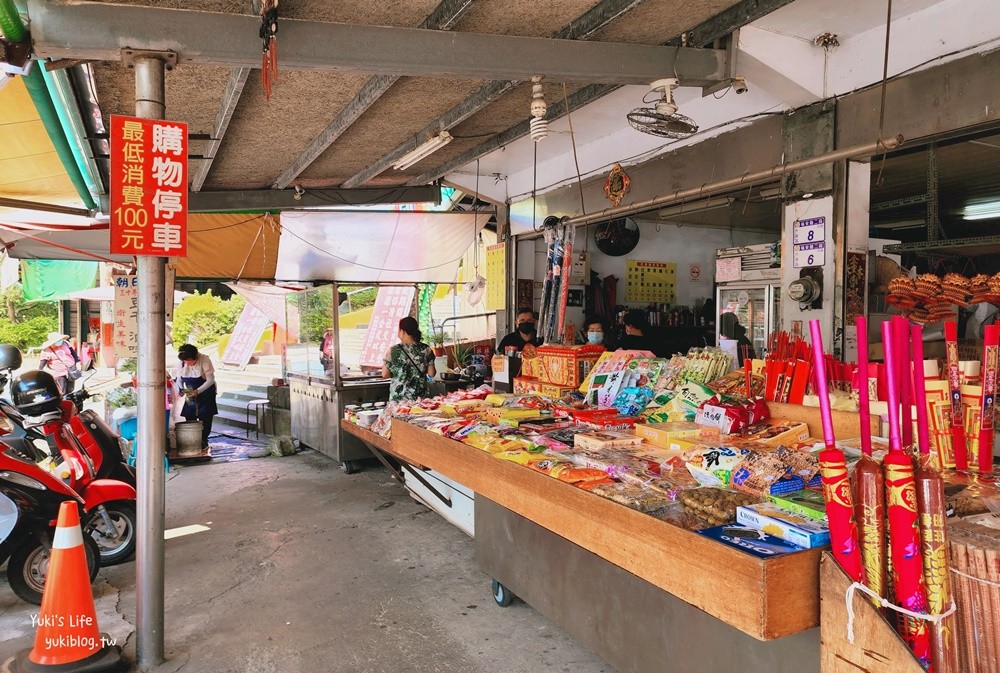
<point x="107" y="293"/>
<point x="375" y="247"/>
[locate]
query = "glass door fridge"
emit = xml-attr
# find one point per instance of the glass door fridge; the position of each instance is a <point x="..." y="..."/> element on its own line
<point x="757" y="307"/>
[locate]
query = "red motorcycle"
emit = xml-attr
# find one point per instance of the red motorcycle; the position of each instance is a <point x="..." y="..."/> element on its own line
<point x="90" y="455"/>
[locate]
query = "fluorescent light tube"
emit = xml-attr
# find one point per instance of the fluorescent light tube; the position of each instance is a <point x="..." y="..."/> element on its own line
<point x="433" y="144"/>
<point x="982" y="211"/>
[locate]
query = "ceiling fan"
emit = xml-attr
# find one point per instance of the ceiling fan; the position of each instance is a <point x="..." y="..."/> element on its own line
<point x="662" y="119"/>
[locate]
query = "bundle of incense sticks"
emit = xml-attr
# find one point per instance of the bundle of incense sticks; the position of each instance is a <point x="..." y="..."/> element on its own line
<point x="833" y="473"/>
<point x="975" y="559"/>
<point x="901" y="506"/>
<point x="991" y="345"/>
<point x="869" y="487"/>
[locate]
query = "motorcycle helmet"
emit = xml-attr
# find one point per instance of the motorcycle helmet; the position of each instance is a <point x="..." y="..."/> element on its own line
<point x="10" y="357"/>
<point x="36" y="393"/>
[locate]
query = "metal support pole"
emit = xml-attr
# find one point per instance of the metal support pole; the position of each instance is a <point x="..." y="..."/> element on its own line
<point x="933" y="223"/>
<point x="151" y="438"/>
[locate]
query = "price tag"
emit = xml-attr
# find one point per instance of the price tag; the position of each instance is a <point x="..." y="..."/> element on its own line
<point x="809" y="231"/>
<point x="808" y="254"/>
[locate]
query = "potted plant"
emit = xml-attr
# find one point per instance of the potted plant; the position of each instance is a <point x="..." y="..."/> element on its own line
<point x="437" y="343"/>
<point x="462" y="355"/>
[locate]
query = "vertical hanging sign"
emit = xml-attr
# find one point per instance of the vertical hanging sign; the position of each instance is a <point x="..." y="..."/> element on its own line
<point x="496" y="277"/>
<point x="126" y="316"/>
<point x="149" y="187"/>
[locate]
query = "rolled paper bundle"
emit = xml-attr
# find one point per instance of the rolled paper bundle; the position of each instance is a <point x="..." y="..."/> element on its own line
<point x="955" y="392"/>
<point x="869" y="508"/>
<point x="905" y="550"/>
<point x="991" y="339"/>
<point x="840" y="513"/>
<point x="934" y="552"/>
<point x="863" y="399"/>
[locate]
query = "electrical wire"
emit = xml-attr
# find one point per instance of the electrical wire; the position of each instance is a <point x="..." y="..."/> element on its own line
<point x="572" y="137"/>
<point x="885" y="82"/>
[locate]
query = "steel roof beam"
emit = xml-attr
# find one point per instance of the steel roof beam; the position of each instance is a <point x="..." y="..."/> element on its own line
<point x="444" y="17"/>
<point x="230" y="99"/>
<point x="581" y="28"/>
<point x="708" y="32"/>
<point x="98" y="31"/>
<point x="295" y="199"/>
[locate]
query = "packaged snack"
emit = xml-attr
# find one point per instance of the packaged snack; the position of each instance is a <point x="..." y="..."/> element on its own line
<point x="630" y="495"/>
<point x="757" y="473"/>
<point x="714" y="465"/>
<point x="805" y="503"/>
<point x="631" y="401"/>
<point x="800" y="463"/>
<point x="576" y="475"/>
<point x="778" y="433"/>
<point x="750" y="540"/>
<point x="664" y="434"/>
<point x="799" y="530"/>
<point x="714" y="505"/>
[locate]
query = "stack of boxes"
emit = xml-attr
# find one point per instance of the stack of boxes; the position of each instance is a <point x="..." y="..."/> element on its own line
<point x="556" y="370"/>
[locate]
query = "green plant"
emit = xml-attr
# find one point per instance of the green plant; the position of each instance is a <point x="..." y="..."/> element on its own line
<point x="18" y="310"/>
<point x="128" y="365"/>
<point x="121" y="397"/>
<point x="435" y="338"/>
<point x="203" y="318"/>
<point x="462" y="353"/>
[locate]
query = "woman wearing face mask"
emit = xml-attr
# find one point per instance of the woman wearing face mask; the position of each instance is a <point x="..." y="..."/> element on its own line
<point x="593" y="331"/>
<point x="523" y="334"/>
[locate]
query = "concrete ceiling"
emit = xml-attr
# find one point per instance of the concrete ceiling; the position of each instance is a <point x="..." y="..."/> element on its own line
<point x="266" y="137"/>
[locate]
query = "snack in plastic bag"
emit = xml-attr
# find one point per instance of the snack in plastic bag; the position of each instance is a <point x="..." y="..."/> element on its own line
<point x="631" y="401"/>
<point x="630" y="495"/>
<point x="716" y="506"/>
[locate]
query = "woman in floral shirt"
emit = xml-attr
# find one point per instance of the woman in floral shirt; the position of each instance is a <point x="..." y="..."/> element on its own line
<point x="408" y="363"/>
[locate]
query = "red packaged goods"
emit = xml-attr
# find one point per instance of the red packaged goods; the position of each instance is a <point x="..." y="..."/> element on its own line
<point x="612" y="422"/>
<point x="585" y="415"/>
<point x="567" y="365"/>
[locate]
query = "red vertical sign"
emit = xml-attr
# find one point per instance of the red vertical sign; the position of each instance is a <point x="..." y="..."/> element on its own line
<point x="149" y="187"/>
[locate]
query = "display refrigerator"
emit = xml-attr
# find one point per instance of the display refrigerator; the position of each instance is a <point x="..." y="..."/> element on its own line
<point x="757" y="307"/>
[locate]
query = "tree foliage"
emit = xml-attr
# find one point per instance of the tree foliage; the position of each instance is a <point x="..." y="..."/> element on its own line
<point x="202" y="319"/>
<point x="26" y="324"/>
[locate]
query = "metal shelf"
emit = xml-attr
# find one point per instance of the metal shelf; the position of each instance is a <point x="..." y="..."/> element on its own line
<point x="969" y="247"/>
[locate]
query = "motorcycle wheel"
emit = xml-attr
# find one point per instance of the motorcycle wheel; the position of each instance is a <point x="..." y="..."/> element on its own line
<point x="117" y="545"/>
<point x="29" y="564"/>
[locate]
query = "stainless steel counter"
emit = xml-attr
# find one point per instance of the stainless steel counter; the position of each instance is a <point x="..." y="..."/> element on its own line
<point x="318" y="407"/>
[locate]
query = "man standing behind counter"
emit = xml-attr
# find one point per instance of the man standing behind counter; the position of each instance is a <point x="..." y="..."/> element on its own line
<point x="523" y="334"/>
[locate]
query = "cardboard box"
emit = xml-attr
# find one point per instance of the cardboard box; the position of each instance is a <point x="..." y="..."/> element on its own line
<point x="523" y="386"/>
<point x="780" y="433"/>
<point x="773" y="520"/>
<point x="664" y="434"/>
<point x="611" y="422"/>
<point x="567" y="366"/>
<point x="806" y="503"/>
<point x="750" y="540"/>
<point x="607" y="439"/>
<point x="530" y="367"/>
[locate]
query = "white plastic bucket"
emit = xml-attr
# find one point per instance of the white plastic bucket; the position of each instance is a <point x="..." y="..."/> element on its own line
<point x="188" y="435"/>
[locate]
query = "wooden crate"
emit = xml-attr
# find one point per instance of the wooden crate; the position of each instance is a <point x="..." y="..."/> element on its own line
<point x="846" y="425"/>
<point x="765" y="598"/>
<point x="877" y="648"/>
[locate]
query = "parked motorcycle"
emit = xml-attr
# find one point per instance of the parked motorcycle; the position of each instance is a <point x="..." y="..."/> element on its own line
<point x="29" y="507"/>
<point x="91" y="460"/>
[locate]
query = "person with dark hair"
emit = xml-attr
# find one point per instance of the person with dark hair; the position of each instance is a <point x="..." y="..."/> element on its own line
<point x="730" y="328"/>
<point x="409" y="363"/>
<point x="196" y="376"/>
<point x="524" y="331"/>
<point x="594" y="332"/>
<point x="635" y="339"/>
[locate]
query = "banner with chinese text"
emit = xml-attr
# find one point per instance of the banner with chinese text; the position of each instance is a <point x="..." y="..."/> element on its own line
<point x="496" y="277"/>
<point x="246" y="335"/>
<point x="125" y="335"/>
<point x="650" y="282"/>
<point x="392" y="304"/>
<point x="149" y="187"/>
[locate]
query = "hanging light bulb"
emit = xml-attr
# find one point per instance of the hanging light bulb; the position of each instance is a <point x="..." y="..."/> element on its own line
<point x="539" y="127"/>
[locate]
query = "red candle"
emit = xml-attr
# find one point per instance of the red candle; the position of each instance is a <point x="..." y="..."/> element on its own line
<point x="955" y="390"/>
<point x="840" y="513"/>
<point x="892" y="387"/>
<point x="904" y="547"/>
<point x="904" y="377"/>
<point x="991" y="339"/>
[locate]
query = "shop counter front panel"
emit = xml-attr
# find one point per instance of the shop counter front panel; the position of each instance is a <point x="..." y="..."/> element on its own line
<point x="766" y="599"/>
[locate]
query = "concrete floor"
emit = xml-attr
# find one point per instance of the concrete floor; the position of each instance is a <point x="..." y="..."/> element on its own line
<point x="306" y="568"/>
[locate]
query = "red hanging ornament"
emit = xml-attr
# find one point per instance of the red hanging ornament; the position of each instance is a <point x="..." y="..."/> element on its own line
<point x="269" y="52"/>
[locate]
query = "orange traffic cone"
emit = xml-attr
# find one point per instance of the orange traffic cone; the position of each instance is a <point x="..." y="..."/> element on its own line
<point x="67" y="638"/>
